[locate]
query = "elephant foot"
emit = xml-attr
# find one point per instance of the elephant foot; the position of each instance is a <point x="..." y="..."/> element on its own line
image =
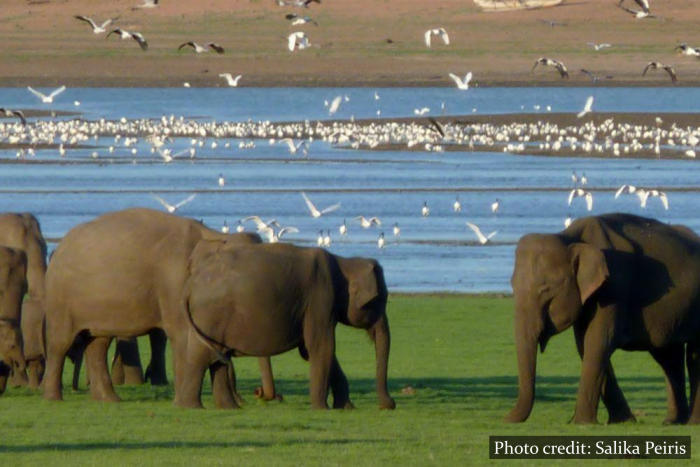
<point x="678" y="420"/>
<point x="189" y="404"/>
<point x="585" y="420"/>
<point x="694" y="420"/>
<point x="346" y="405"/>
<point x="52" y="396"/>
<point x="260" y="394"/>
<point x="387" y="404"/>
<point x="621" y="418"/>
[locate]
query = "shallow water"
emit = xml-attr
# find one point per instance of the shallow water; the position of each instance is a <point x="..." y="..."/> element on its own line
<point x="437" y="253"/>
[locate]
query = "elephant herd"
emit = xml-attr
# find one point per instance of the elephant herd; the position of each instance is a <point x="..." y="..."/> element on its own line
<point x="621" y="281"/>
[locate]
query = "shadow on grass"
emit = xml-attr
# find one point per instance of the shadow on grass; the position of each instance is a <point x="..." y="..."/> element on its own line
<point x="60" y="447"/>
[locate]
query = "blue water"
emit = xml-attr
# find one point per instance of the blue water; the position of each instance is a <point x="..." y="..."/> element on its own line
<point x="437" y="253"/>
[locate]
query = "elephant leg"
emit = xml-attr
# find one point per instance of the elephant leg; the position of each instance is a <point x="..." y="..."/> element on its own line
<point x="191" y="368"/>
<point x="101" y="387"/>
<point x="35" y="372"/>
<point x="339" y="387"/>
<point x="18" y="377"/>
<point x="57" y="346"/>
<point x="320" y="344"/>
<point x="672" y="362"/>
<point x="223" y="386"/>
<point x="693" y="364"/>
<point x="267" y="391"/>
<point x="613" y="398"/>
<point x="126" y="365"/>
<point x="77" y="358"/>
<point x="594" y="366"/>
<point x="156" y="370"/>
<point x="4" y="376"/>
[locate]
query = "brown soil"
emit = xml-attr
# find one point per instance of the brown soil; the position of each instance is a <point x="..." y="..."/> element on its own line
<point x="357" y="42"/>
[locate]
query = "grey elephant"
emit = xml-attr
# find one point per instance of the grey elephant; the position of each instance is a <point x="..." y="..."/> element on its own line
<point x="622" y="282"/>
<point x="13" y="285"/>
<point x="263" y="300"/>
<point x="23" y="232"/>
<point x="122" y="275"/>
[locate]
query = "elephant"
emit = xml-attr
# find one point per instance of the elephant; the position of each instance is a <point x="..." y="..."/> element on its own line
<point x="122" y="275"/>
<point x="23" y="231"/>
<point x="265" y="299"/>
<point x="13" y="285"/>
<point x="622" y="281"/>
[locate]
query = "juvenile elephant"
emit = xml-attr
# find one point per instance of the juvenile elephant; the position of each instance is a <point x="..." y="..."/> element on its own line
<point x="621" y="281"/>
<point x="121" y="274"/>
<point x="23" y="232"/>
<point x="13" y="285"/>
<point x="263" y="300"/>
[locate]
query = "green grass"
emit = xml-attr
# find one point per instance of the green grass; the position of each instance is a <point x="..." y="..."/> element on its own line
<point x="456" y="351"/>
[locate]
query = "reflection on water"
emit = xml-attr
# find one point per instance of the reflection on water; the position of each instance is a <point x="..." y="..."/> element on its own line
<point x="434" y="253"/>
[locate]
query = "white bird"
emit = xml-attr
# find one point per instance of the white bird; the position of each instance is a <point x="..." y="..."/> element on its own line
<point x="293" y="148"/>
<point x="440" y="32"/>
<point x="343" y="229"/>
<point x="457" y="206"/>
<point x="598" y="47"/>
<point x="146" y="4"/>
<point x="260" y="224"/>
<point x="335" y="105"/>
<point x="275" y="237"/>
<point x="44" y="98"/>
<point x="137" y="36"/>
<point x="202" y="48"/>
<point x="583" y="179"/>
<point x="376" y="96"/>
<point x="315" y="213"/>
<point x="319" y="239"/>
<point x="230" y="80"/>
<point x="586" y="108"/>
<point x="495" y="205"/>
<point x="222" y="180"/>
<point x="643" y="196"/>
<point x="171" y="208"/>
<point x="327" y="239"/>
<point x="240" y="227"/>
<point x="568" y="221"/>
<point x="425" y="210"/>
<point x="297" y="40"/>
<point x="95" y="28"/>
<point x="628" y="188"/>
<point x="421" y="111"/>
<point x="367" y="223"/>
<point x="483" y="239"/>
<point x="462" y="85"/>
<point x="225" y="228"/>
<point x="580" y="192"/>
<point x="397" y="229"/>
<point x="380" y="240"/>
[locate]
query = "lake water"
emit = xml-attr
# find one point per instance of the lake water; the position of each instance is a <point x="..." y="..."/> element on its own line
<point x="436" y="253"/>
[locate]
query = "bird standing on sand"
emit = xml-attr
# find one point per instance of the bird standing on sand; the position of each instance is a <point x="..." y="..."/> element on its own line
<point x="560" y="67"/>
<point x="440" y="32"/>
<point x="658" y="65"/>
<point x="200" y="49"/>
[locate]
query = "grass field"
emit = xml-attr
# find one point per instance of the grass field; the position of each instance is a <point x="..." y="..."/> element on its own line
<point x="456" y="351"/>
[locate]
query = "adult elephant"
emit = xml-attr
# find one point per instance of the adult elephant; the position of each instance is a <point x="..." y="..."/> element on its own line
<point x="13" y="285"/>
<point x="262" y="300"/>
<point x="121" y="275"/>
<point x="23" y="232"/>
<point x="621" y="281"/>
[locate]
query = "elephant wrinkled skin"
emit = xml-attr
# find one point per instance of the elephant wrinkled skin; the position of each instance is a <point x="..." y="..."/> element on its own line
<point x="263" y="300"/>
<point x="621" y="281"/>
<point x="13" y="285"/>
<point x="121" y="275"/>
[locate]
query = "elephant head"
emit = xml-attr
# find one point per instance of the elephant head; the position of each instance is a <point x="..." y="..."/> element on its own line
<point x="366" y="309"/>
<point x="552" y="280"/>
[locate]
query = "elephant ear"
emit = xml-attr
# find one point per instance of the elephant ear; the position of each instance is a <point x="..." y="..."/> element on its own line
<point x="590" y="268"/>
<point x="363" y="286"/>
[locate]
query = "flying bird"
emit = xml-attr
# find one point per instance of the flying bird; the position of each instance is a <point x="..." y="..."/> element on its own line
<point x="297" y="20"/>
<point x="315" y="213"/>
<point x="587" y="108"/>
<point x="598" y="47"/>
<point x="462" y="85"/>
<point x="560" y="67"/>
<point x="171" y="208"/>
<point x="421" y="111"/>
<point x="658" y="65"/>
<point x="203" y="48"/>
<point x="483" y="239"/>
<point x="586" y="195"/>
<point x="367" y="223"/>
<point x="638" y="14"/>
<point x="230" y="80"/>
<point x="625" y="188"/>
<point x="95" y="28"/>
<point x="297" y="3"/>
<point x="44" y="98"/>
<point x="440" y="32"/>
<point x="335" y="105"/>
<point x="146" y="4"/>
<point x="297" y="41"/>
<point x="293" y="148"/>
<point x="595" y="78"/>
<point x="14" y="113"/>
<point x="685" y="49"/>
<point x="124" y="34"/>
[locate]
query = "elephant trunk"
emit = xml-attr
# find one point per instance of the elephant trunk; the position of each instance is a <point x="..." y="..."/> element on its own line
<point x="526" y="342"/>
<point x="382" y="341"/>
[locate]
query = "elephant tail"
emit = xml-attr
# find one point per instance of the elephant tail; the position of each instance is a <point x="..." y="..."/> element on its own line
<point x="203" y="338"/>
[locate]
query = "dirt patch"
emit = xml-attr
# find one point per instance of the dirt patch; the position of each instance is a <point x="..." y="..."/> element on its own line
<point x="359" y="43"/>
